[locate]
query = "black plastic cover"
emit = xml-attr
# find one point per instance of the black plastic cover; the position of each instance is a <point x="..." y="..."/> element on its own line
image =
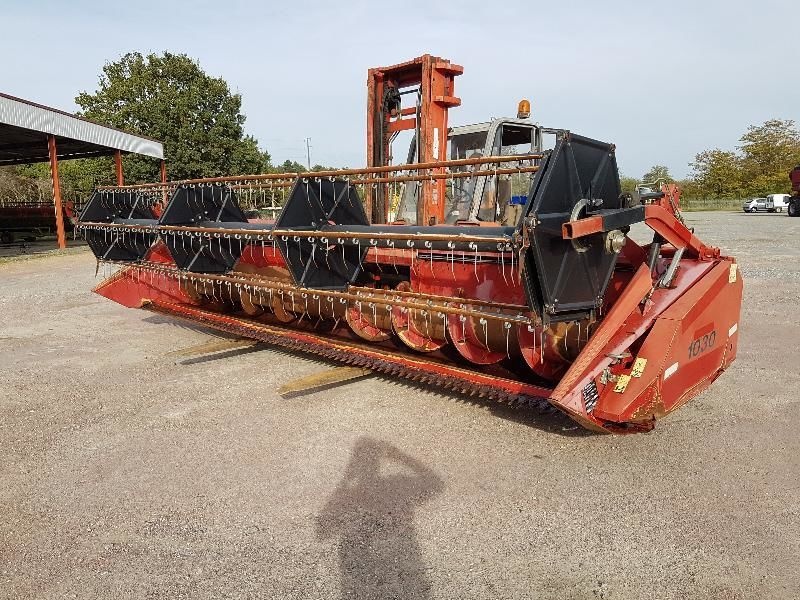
<point x="106" y="205"/>
<point x="193" y="203"/>
<point x="119" y="206"/>
<point x="314" y="206"/>
<point x="567" y="279"/>
<point x="203" y="205"/>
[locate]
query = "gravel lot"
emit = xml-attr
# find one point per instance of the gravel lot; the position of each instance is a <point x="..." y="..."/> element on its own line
<point x="125" y="475"/>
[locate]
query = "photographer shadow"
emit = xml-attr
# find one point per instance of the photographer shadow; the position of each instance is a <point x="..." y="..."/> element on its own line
<point x="371" y="514"/>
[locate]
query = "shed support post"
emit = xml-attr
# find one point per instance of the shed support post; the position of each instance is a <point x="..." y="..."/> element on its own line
<point x="163" y="171"/>
<point x="51" y="145"/>
<point x="118" y="168"/>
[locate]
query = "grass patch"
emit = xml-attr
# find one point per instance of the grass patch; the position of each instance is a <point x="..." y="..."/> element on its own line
<point x="698" y="204"/>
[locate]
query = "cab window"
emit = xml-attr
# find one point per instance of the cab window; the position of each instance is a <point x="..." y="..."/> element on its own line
<point x="503" y="194"/>
<point x="460" y="191"/>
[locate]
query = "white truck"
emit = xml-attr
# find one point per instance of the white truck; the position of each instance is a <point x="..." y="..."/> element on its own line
<point x="772" y="203"/>
<point x="778" y="202"/>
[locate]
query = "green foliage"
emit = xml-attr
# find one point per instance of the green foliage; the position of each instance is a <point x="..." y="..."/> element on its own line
<point x="688" y="187"/>
<point x="17" y="187"/>
<point x="32" y="183"/>
<point x="761" y="166"/>
<point x="769" y="152"/>
<point x="290" y="166"/>
<point x="170" y="98"/>
<point x="78" y="177"/>
<point x="628" y="184"/>
<point x="718" y="173"/>
<point x="657" y="175"/>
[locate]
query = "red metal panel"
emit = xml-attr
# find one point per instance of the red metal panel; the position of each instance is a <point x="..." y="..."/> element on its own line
<point x="689" y="345"/>
<point x="676" y="233"/>
<point x="582" y="227"/>
<point x="627" y="303"/>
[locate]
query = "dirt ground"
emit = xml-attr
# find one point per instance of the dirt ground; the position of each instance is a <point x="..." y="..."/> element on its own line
<point x="126" y="475"/>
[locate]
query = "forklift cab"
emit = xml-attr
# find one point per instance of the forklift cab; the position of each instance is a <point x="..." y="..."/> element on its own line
<point x="496" y="198"/>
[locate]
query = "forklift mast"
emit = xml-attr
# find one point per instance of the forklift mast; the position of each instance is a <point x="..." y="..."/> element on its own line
<point x="430" y="81"/>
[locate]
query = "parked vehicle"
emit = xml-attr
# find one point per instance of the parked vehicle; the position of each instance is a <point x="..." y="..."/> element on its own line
<point x="779" y="202"/>
<point x="754" y="205"/>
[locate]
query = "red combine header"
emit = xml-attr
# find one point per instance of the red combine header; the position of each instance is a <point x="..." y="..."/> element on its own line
<point x="496" y="261"/>
<point x="30" y="220"/>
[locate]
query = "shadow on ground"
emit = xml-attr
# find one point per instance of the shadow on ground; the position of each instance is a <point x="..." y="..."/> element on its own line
<point x="370" y="515"/>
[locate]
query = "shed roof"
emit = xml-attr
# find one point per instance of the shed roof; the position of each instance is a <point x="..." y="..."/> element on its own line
<point x="25" y="127"/>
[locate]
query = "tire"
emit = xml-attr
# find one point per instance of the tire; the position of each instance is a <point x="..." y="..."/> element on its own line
<point x="6" y="237"/>
<point x="794" y="209"/>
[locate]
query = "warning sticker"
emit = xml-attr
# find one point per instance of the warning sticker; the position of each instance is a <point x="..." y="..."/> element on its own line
<point x="622" y="383"/>
<point x="732" y="273"/>
<point x="638" y="367"/>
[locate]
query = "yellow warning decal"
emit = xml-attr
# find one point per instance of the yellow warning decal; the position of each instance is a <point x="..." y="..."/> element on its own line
<point x="638" y="367"/>
<point x="622" y="383"/>
<point x="732" y="273"/>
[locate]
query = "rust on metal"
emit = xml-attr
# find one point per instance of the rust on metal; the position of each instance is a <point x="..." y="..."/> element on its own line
<point x="421" y="166"/>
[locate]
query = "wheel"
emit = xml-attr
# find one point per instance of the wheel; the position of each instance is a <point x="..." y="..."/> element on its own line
<point x="794" y="209"/>
<point x="6" y="237"/>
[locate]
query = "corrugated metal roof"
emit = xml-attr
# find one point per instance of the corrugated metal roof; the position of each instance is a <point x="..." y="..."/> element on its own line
<point x="36" y="117"/>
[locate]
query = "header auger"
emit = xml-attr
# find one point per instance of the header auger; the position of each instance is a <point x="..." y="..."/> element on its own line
<point x="504" y="274"/>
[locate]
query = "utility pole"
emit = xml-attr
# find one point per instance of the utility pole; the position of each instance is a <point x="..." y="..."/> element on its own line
<point x="308" y="152"/>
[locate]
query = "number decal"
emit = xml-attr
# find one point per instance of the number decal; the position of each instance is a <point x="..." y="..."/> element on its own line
<point x="700" y="345"/>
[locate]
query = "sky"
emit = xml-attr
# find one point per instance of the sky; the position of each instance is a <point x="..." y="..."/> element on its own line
<point x="663" y="81"/>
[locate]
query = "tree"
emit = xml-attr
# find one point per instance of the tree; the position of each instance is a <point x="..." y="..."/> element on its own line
<point x="78" y="177"/>
<point x="717" y="174"/>
<point x="170" y="98"/>
<point x="689" y="188"/>
<point x="291" y="166"/>
<point x="657" y="175"/>
<point x="17" y="186"/>
<point x="628" y="184"/>
<point x="766" y="154"/>
<point x="769" y="152"/>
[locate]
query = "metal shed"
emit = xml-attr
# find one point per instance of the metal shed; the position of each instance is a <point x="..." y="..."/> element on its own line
<point x="31" y="133"/>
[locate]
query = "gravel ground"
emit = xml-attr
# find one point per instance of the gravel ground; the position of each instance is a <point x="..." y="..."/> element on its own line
<point x="125" y="475"/>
